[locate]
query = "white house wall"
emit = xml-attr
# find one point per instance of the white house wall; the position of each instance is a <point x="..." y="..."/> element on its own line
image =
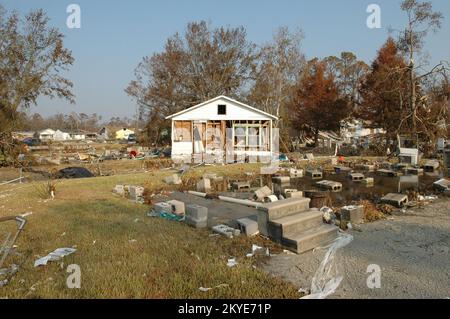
<point x="209" y="112"/>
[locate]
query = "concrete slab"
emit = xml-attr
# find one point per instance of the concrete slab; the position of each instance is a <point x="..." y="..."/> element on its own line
<point x="387" y="172"/>
<point x="219" y="212"/>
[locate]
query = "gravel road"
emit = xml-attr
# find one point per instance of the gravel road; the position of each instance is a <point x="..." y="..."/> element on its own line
<point x="411" y="248"/>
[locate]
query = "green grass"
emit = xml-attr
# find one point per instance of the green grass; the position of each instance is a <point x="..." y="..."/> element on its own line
<point x="124" y="254"/>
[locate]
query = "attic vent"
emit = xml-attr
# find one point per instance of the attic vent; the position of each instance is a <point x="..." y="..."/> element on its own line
<point x="221" y="109"/>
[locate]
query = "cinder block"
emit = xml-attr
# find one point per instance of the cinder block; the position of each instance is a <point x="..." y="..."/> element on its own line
<point x="136" y="192"/>
<point x="314" y="174"/>
<point x="397" y="200"/>
<point x="263" y="193"/>
<point x="369" y="181"/>
<point x="163" y="207"/>
<point x="178" y="208"/>
<point x="197" y="223"/>
<point x="432" y="165"/>
<point x="197" y="212"/>
<point x="241" y="186"/>
<point x="293" y="193"/>
<point x="119" y="190"/>
<point x="248" y="226"/>
<point x="356" y="177"/>
<point x="296" y="173"/>
<point x="204" y="185"/>
<point x="352" y="214"/>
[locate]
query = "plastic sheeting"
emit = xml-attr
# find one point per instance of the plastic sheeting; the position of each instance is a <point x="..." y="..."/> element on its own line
<point x="327" y="278"/>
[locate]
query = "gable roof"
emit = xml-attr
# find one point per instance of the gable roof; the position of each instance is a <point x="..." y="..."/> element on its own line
<point x="251" y="108"/>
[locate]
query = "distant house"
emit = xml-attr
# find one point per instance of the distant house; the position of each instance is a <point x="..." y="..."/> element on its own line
<point x="357" y="131"/>
<point x="47" y="135"/>
<point x="61" y="136"/>
<point x="123" y="134"/>
<point x="77" y="136"/>
<point x="103" y="133"/>
<point x="221" y="129"/>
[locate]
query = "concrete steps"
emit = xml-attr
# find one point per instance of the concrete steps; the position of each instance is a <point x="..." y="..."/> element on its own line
<point x="293" y="224"/>
<point x="310" y="239"/>
<point x="279" y="209"/>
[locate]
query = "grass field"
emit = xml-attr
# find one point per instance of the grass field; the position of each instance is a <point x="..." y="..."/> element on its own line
<point x="121" y="252"/>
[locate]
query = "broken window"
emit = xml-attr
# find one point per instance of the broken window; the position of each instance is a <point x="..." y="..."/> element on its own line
<point x="182" y="131"/>
<point x="247" y="136"/>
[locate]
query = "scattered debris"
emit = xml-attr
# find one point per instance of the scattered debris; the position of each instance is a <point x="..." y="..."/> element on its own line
<point x="173" y="179"/>
<point x="327" y="279"/>
<point x="232" y="262"/>
<point x="74" y="172"/>
<point x="208" y="289"/>
<point x="226" y="230"/>
<point x="58" y="254"/>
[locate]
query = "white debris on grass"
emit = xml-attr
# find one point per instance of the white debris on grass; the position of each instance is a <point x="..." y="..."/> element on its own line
<point x="54" y="256"/>
<point x="208" y="289"/>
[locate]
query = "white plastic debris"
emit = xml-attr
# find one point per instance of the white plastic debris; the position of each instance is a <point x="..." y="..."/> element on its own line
<point x="327" y="279"/>
<point x="328" y="214"/>
<point x="54" y="256"/>
<point x="208" y="289"/>
<point x="231" y="262"/>
<point x="256" y="248"/>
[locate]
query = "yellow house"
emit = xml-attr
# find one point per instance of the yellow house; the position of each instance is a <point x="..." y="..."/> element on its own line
<point x="123" y="134"/>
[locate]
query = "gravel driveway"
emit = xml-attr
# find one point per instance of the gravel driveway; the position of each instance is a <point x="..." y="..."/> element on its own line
<point x="411" y="248"/>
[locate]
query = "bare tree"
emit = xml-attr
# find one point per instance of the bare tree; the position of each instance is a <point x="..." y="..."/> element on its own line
<point x="421" y="20"/>
<point x="202" y="64"/>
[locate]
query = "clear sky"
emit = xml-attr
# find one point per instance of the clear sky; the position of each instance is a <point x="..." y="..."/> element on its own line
<point x="115" y="35"/>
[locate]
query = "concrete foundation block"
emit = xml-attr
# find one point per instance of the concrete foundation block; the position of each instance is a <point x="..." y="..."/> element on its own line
<point x="352" y="214"/>
<point x="197" y="212"/>
<point x="163" y="207"/>
<point x="178" y="208"/>
<point x="136" y="192"/>
<point x="239" y="186"/>
<point x="119" y="190"/>
<point x="370" y="181"/>
<point x="295" y="173"/>
<point x="197" y="223"/>
<point x="204" y="185"/>
<point x="356" y="177"/>
<point x="414" y="171"/>
<point x="314" y="174"/>
<point x="263" y="192"/>
<point x="397" y="200"/>
<point x="330" y="185"/>
<point x="248" y="226"/>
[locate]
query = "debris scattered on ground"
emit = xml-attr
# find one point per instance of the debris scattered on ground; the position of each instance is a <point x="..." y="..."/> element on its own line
<point x="257" y="249"/>
<point x="226" y="230"/>
<point x="58" y="254"/>
<point x="327" y="279"/>
<point x="328" y="215"/>
<point x="218" y="286"/>
<point x="74" y="172"/>
<point x="232" y="262"/>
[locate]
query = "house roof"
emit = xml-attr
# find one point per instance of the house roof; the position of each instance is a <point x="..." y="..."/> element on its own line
<point x="224" y="98"/>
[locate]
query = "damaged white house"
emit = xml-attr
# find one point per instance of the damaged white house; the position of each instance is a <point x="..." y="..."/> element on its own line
<point x="223" y="130"/>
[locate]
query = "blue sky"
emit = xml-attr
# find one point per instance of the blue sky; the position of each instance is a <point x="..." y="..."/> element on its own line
<point x="115" y="35"/>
